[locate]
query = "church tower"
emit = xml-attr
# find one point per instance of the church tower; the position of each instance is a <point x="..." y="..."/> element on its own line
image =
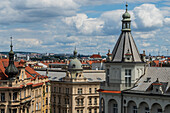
<point x="123" y="69"/>
<point x="11" y="70"/>
<point x="126" y="65"/>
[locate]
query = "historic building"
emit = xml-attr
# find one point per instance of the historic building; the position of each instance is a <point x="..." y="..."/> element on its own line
<point x="22" y="90"/>
<point x="75" y="90"/>
<point x="131" y="86"/>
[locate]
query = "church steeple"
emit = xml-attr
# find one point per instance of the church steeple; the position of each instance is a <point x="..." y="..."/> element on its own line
<point x="126" y="43"/>
<point x="126" y="22"/>
<point x="11" y="70"/>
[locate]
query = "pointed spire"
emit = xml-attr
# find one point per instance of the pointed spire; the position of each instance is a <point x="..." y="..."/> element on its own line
<point x="126" y="6"/>
<point x="11" y="44"/>
<point x="75" y="52"/>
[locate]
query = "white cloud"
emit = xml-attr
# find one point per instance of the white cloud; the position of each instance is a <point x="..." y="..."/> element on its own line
<point x="147" y="16"/>
<point x="167" y="21"/>
<point x="84" y="25"/>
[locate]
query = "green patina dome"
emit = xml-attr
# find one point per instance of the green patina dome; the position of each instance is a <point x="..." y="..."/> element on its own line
<point x="75" y="63"/>
<point x="126" y="14"/>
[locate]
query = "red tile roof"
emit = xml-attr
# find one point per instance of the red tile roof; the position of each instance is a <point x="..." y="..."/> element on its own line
<point x="95" y="56"/>
<point x="107" y="91"/>
<point x="38" y="84"/>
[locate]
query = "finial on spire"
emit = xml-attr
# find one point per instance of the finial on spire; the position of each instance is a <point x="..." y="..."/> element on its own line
<point x="11" y="43"/>
<point x="126" y="6"/>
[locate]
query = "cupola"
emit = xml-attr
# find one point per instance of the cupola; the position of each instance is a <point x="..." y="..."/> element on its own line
<point x="126" y="22"/>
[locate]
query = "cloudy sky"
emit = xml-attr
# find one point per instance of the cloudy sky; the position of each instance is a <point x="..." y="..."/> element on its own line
<point x="57" y="26"/>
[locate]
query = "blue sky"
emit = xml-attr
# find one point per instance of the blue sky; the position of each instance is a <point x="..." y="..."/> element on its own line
<point x="57" y="26"/>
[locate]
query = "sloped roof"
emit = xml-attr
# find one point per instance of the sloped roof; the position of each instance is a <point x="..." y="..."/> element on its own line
<point x="151" y="75"/>
<point x="28" y="70"/>
<point x="91" y="75"/>
<point x="95" y="56"/>
<point x="124" y="44"/>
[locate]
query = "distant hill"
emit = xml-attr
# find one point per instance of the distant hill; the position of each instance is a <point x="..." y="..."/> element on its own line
<point x="20" y="52"/>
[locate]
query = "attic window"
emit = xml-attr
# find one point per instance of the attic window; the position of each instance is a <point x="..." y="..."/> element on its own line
<point x="128" y="58"/>
<point x="157" y="90"/>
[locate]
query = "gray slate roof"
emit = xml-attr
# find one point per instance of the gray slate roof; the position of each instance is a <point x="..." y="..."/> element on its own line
<point x="151" y="75"/>
<point x="125" y="43"/>
<point x="92" y="76"/>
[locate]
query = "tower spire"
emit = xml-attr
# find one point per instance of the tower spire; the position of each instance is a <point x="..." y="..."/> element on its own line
<point x="11" y="70"/>
<point x="75" y="52"/>
<point x="126" y="6"/>
<point x="11" y="43"/>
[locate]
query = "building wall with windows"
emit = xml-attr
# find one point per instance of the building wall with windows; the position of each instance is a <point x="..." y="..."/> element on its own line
<point x="74" y="97"/>
<point x="25" y="95"/>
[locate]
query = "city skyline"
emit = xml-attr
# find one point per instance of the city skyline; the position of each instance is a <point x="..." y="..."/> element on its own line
<point x="58" y="26"/>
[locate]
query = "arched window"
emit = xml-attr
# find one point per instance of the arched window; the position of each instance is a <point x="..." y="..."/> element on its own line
<point x="112" y="106"/>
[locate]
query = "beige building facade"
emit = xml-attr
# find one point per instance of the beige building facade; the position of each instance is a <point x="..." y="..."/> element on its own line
<point x="75" y="90"/>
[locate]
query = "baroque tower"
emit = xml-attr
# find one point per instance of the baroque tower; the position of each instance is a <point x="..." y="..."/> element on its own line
<point x="11" y="70"/>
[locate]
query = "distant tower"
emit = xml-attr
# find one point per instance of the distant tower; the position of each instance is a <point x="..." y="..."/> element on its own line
<point x="11" y="70"/>
<point x="75" y="66"/>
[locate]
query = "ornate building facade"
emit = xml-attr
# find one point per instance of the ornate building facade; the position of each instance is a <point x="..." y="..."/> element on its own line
<point x="75" y="90"/>
<point x="22" y="90"/>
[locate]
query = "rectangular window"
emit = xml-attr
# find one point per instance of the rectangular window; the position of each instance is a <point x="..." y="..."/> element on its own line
<point x="15" y="96"/>
<point x="95" y="110"/>
<point x="90" y="111"/>
<point x="67" y="90"/>
<point x="79" y="91"/>
<point x="81" y="102"/>
<point x="2" y="110"/>
<point x="59" y="100"/>
<point x="54" y="109"/>
<point x="39" y="105"/>
<point x="127" y="77"/>
<point x="134" y="109"/>
<point x="46" y="110"/>
<point x="159" y="111"/>
<point x="89" y="90"/>
<point x="59" y="110"/>
<point x="36" y="106"/>
<point x="46" y="89"/>
<point x="77" y="111"/>
<point x="95" y="101"/>
<point x="90" y="101"/>
<point x="78" y="102"/>
<point x="115" y="109"/>
<point x="54" y="89"/>
<point x="81" y="111"/>
<point x="95" y="90"/>
<point x="147" y="110"/>
<point x="54" y="99"/>
<point x="46" y="101"/>
<point x="59" y="89"/>
<point x="2" y="96"/>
